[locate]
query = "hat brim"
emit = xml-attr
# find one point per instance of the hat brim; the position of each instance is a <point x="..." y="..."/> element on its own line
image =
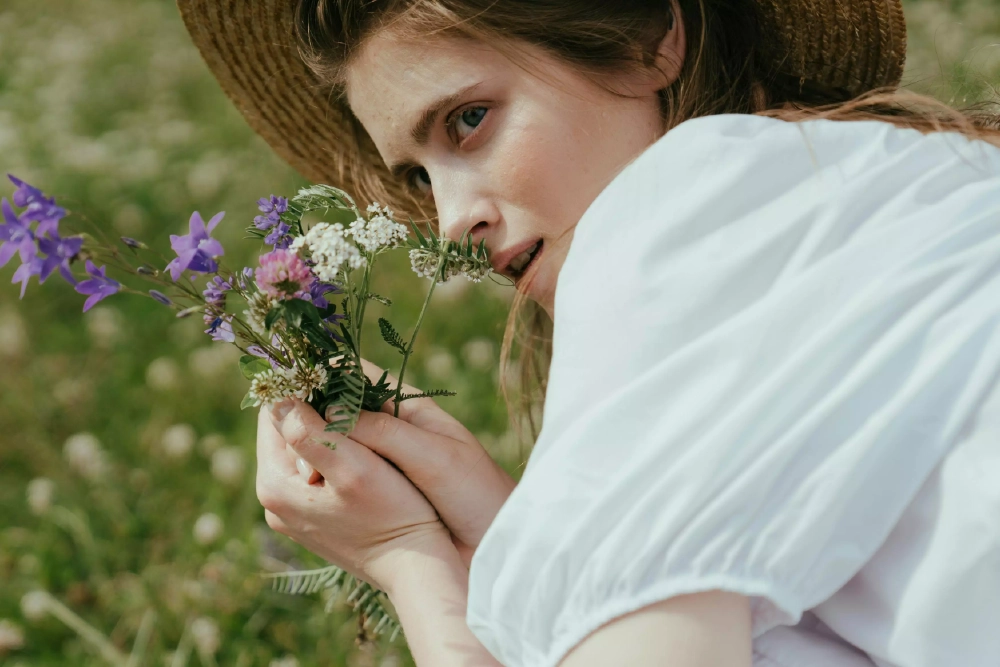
<point x="249" y="45"/>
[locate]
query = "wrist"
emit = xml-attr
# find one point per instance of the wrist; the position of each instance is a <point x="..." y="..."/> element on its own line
<point x="425" y="569"/>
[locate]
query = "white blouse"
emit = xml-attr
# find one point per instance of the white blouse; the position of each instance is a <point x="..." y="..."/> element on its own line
<point x="775" y="372"/>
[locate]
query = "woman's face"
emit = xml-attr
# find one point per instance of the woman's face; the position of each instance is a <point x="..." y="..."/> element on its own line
<point x="516" y="154"/>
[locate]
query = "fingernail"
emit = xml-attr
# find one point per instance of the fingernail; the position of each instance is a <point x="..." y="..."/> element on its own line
<point x="280" y="410"/>
<point x="305" y="469"/>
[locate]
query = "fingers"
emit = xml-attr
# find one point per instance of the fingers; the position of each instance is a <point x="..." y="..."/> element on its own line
<point x="301" y="427"/>
<point x="272" y="456"/>
<point x="421" y="412"/>
<point x="404" y="444"/>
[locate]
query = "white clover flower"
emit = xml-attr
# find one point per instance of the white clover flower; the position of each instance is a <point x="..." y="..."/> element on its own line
<point x="35" y="605"/>
<point x="330" y="249"/>
<point x="304" y="380"/>
<point x="40" y="492"/>
<point x="207" y="529"/>
<point x="269" y="387"/>
<point x="11" y="637"/>
<point x="228" y="464"/>
<point x="286" y="661"/>
<point x="206" y="635"/>
<point x="260" y="305"/>
<point x="13" y="334"/>
<point x="479" y="353"/>
<point x="163" y="374"/>
<point x="379" y="231"/>
<point x="104" y="324"/>
<point x="84" y="454"/>
<point x="178" y="441"/>
<point x="211" y="442"/>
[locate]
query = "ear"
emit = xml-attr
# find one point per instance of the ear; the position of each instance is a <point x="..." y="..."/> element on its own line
<point x="672" y="49"/>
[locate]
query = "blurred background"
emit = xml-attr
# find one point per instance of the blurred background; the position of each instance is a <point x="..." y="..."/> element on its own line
<point x="126" y="467"/>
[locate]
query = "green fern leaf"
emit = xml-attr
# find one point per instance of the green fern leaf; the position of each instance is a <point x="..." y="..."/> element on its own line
<point x="391" y="336"/>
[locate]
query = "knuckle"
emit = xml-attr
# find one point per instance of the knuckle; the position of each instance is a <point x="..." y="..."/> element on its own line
<point x="269" y="498"/>
<point x="352" y="483"/>
<point x="273" y="522"/>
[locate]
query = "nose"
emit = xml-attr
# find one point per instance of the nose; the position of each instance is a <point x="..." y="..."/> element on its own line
<point x="463" y="207"/>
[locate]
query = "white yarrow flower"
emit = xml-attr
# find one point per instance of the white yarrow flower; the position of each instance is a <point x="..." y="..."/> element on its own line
<point x="379" y="231"/>
<point x="40" y="492"/>
<point x="329" y="248"/>
<point x="207" y="529"/>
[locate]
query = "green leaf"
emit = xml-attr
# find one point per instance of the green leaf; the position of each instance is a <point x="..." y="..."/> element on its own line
<point x="428" y="394"/>
<point x="248" y="402"/>
<point x="345" y="393"/>
<point x="390" y="335"/>
<point x="381" y="299"/>
<point x="251" y="365"/>
<point x="278" y="310"/>
<point x="420" y="237"/>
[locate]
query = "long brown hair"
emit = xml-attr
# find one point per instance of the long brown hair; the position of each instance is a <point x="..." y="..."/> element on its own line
<point x="726" y="70"/>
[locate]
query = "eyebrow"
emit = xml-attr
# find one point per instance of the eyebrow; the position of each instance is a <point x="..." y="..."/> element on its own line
<point x="421" y="130"/>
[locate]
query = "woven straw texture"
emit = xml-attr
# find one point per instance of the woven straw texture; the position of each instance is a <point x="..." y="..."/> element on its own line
<point x="249" y="45"/>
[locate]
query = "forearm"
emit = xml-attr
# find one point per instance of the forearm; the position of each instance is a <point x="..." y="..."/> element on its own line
<point x="430" y="597"/>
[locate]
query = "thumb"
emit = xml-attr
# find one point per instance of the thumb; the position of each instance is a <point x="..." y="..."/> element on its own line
<point x="303" y="430"/>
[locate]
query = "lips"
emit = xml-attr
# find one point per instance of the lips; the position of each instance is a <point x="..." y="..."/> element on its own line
<point x="518" y="264"/>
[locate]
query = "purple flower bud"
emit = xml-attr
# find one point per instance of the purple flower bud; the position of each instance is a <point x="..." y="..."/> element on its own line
<point x="147" y="270"/>
<point x="160" y="296"/>
<point x="132" y="243"/>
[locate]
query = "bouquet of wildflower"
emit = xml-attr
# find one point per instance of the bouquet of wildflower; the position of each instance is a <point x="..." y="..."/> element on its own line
<point x="303" y="305"/>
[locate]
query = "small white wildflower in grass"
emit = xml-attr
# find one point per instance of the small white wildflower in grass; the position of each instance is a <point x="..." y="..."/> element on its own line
<point x="178" y="441"/>
<point x="269" y="387"/>
<point x="85" y="456"/>
<point x="329" y="248"/>
<point x="40" y="492"/>
<point x="379" y="231"/>
<point x="207" y="529"/>
<point x="205" y="632"/>
<point x="163" y="374"/>
<point x="13" y="335"/>
<point x="210" y="443"/>
<point x="70" y="392"/>
<point x="479" y="353"/>
<point x="11" y="637"/>
<point x="286" y="661"/>
<point x="104" y="324"/>
<point x="35" y="605"/>
<point x="212" y="362"/>
<point x="440" y="364"/>
<point x="228" y="464"/>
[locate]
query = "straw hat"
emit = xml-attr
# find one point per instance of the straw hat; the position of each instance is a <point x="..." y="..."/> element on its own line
<point x="249" y="45"/>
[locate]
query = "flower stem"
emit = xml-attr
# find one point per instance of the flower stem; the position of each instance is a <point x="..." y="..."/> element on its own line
<point x="416" y="329"/>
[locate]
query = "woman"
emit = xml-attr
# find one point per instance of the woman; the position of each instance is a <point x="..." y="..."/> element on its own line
<point x="772" y="413"/>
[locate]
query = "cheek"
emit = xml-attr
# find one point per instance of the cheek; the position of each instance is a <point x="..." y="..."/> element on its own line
<point x="544" y="170"/>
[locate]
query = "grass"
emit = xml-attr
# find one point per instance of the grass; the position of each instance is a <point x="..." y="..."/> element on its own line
<point x="131" y="415"/>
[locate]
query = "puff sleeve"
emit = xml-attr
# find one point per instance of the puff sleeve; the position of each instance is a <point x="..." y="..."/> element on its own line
<point x="767" y="334"/>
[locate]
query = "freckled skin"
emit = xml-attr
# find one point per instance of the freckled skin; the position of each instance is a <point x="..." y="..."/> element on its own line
<point x="550" y="141"/>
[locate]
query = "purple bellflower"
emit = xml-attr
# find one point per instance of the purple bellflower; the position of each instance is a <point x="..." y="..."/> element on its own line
<point x="99" y="286"/>
<point x="197" y="250"/>
<point x="60" y="252"/>
<point x="38" y="207"/>
<point x="318" y="291"/>
<point x="220" y="327"/>
<point x="24" y="272"/>
<point x="16" y="236"/>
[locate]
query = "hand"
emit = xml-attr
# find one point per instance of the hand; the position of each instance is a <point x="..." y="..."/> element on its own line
<point x="359" y="513"/>
<point x="443" y="459"/>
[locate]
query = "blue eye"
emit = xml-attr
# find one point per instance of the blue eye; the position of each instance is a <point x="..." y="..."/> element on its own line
<point x="420" y="180"/>
<point x="470" y="119"/>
